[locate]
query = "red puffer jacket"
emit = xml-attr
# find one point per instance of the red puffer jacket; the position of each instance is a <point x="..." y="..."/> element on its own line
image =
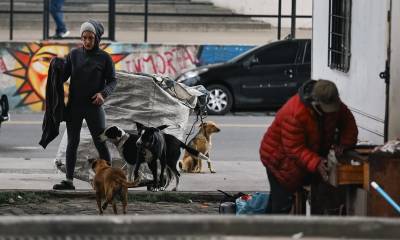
<point x="292" y="145"/>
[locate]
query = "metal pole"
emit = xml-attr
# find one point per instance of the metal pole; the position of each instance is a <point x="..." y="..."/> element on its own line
<point x="111" y="20"/>
<point x="329" y="33"/>
<point x="146" y="14"/>
<point x="387" y="70"/>
<point x="293" y="25"/>
<point x="11" y="18"/>
<point x="46" y="19"/>
<point x="279" y="19"/>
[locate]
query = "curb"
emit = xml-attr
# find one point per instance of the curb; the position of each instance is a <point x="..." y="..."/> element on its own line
<point x="167" y="196"/>
<point x="197" y="227"/>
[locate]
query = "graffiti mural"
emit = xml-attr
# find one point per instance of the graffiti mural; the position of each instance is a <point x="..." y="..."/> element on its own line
<point x="31" y="64"/>
<point x="167" y="61"/>
<point x="24" y="66"/>
<point x="30" y="72"/>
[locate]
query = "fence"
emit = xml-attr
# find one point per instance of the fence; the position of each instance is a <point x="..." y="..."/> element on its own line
<point x="112" y="13"/>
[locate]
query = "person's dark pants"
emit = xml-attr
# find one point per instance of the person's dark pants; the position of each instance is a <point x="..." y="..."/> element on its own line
<point x="95" y="119"/>
<point x="280" y="200"/>
<point x="58" y="16"/>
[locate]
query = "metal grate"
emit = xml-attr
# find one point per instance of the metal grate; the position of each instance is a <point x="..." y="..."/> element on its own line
<point x="339" y="34"/>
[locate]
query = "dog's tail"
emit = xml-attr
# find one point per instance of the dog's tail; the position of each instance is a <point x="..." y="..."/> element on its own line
<point x="128" y="184"/>
<point x="179" y="164"/>
<point x="197" y="154"/>
<point x="194" y="152"/>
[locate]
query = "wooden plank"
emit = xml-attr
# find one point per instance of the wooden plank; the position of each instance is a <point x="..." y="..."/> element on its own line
<point x="366" y="176"/>
<point x="350" y="174"/>
<point x="385" y="170"/>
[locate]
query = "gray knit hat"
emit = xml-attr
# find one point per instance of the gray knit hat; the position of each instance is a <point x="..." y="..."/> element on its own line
<point x="87" y="26"/>
<point x="94" y="27"/>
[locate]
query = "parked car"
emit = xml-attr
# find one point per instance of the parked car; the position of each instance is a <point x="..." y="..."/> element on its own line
<point x="264" y="77"/>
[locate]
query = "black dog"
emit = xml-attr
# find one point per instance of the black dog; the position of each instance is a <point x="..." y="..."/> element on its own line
<point x="166" y="148"/>
<point x="125" y="143"/>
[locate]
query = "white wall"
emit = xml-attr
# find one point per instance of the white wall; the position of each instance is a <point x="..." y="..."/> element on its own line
<point x="361" y="88"/>
<point x="268" y="7"/>
<point x="394" y="102"/>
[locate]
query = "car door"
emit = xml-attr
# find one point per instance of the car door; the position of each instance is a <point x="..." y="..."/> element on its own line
<point x="270" y="75"/>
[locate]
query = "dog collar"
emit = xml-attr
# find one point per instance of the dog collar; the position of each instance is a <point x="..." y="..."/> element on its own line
<point x="121" y="142"/>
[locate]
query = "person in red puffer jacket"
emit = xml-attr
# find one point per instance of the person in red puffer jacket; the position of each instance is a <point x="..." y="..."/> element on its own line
<point x="296" y="144"/>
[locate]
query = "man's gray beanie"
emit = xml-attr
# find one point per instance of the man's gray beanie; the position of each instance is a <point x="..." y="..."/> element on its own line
<point x="88" y="26"/>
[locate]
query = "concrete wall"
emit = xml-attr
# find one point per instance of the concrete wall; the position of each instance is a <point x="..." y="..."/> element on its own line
<point x="24" y="66"/>
<point x="394" y="102"/>
<point x="197" y="226"/>
<point x="360" y="88"/>
<point x="268" y="7"/>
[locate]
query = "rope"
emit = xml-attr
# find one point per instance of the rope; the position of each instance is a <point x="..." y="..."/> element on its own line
<point x="191" y="129"/>
<point x="152" y="102"/>
<point x="202" y="115"/>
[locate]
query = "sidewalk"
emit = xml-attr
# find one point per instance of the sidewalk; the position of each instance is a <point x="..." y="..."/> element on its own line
<point x="41" y="174"/>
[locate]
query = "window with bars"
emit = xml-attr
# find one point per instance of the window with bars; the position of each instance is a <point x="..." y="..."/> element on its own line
<point x="339" y="34"/>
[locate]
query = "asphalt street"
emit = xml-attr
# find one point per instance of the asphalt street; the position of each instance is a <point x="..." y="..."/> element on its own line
<point x="25" y="165"/>
<point x="238" y="140"/>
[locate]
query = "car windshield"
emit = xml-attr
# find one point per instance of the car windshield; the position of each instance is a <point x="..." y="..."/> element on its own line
<point x="239" y="57"/>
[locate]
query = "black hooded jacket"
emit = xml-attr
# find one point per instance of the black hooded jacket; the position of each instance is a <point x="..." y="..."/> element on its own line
<point x="91" y="71"/>
<point x="305" y="92"/>
<point x="55" y="106"/>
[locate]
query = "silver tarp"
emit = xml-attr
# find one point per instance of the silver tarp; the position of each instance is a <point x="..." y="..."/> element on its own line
<point x="150" y="100"/>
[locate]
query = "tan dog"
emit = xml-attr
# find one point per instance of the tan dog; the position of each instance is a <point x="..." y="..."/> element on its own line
<point x="108" y="183"/>
<point x="202" y="143"/>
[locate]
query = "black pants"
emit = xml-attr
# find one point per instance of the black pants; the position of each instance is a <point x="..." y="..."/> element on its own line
<point x="280" y="200"/>
<point x="96" y="121"/>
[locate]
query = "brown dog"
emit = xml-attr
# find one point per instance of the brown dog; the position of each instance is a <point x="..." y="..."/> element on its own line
<point x="202" y="143"/>
<point x="108" y="183"/>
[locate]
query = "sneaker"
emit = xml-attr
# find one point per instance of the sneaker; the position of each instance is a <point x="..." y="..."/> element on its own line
<point x="64" y="185"/>
<point x="55" y="36"/>
<point x="64" y="34"/>
<point x="4" y="118"/>
<point x="60" y="35"/>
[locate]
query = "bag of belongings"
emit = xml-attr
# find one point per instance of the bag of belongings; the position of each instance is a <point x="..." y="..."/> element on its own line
<point x="255" y="203"/>
<point x="227" y="204"/>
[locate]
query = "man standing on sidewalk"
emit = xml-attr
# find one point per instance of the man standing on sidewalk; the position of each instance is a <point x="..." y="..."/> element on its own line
<point x="58" y="16"/>
<point x="298" y="141"/>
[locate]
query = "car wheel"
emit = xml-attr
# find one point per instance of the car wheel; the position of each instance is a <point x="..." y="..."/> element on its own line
<point x="220" y="100"/>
